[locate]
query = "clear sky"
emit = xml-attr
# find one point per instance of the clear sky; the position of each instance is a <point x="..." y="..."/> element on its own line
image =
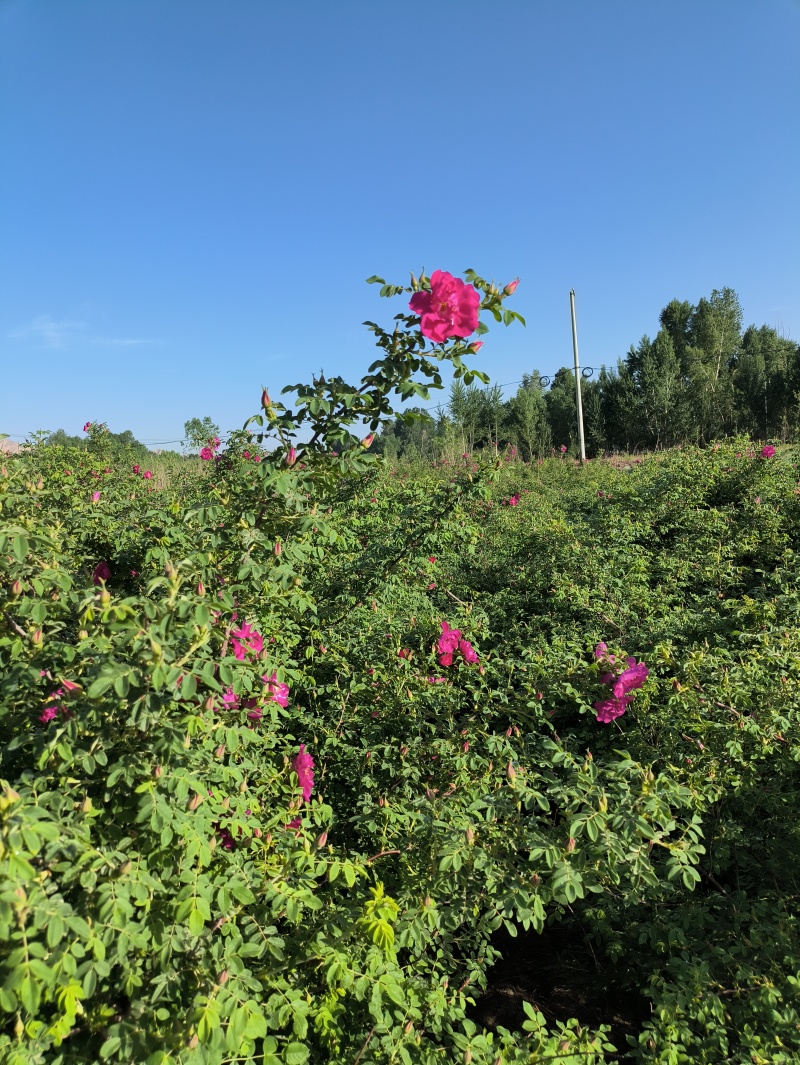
<point x="192" y="192"/>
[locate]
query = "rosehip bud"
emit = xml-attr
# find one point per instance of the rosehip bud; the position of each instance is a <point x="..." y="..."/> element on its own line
<point x="220" y="751"/>
<point x="322" y="839"/>
<point x="36" y="639"/>
<point x="195" y="801"/>
<point x="209" y="704"/>
<point x="16" y="588"/>
<point x="277" y="549"/>
<point x="470" y="835"/>
<point x="291" y="456"/>
<point x="200" y="589"/>
<point x="86" y="805"/>
<point x="367" y="441"/>
<point x="257" y="833"/>
<point x="223" y="977"/>
<point x="158" y="772"/>
<point x="511" y="287"/>
<point x="266" y="402"/>
<point x="511" y="772"/>
<point x="570" y="845"/>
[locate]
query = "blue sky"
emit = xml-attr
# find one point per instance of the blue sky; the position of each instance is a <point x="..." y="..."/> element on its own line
<point x="192" y="192"/>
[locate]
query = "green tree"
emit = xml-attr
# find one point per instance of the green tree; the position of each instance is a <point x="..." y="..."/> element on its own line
<point x="767" y="378"/>
<point x="656" y="371"/>
<point x="466" y="409"/>
<point x="709" y="358"/>
<point x="620" y="408"/>
<point x="198" y="431"/>
<point x="410" y="436"/>
<point x="528" y="417"/>
<point x="495" y="413"/>
<point x="562" y="412"/>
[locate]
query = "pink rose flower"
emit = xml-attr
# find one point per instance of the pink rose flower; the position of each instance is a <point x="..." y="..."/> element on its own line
<point x="246" y="639"/>
<point x="95" y="497"/>
<point x="303" y="765"/>
<point x="147" y="475"/>
<point x="468" y="651"/>
<point x="631" y="678"/>
<point x="610" y="709"/>
<point x="278" y="692"/>
<point x="87" y="427"/>
<point x="206" y="454"/>
<point x="450" y="309"/>
<point x="767" y="451"/>
<point x="447" y="644"/>
<point x="136" y="468"/>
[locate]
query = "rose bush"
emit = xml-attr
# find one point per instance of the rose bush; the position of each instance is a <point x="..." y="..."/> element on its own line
<point x="237" y="824"/>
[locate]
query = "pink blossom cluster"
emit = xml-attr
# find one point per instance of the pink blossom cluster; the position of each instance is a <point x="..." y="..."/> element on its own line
<point x="451" y="642"/>
<point x="209" y="451"/>
<point x="53" y="706"/>
<point x="622" y="681"/>
<point x="277" y="692"/>
<point x="246" y="641"/>
<point x="513" y="500"/>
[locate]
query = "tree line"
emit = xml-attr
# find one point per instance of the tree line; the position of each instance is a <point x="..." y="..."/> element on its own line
<point x="701" y="378"/>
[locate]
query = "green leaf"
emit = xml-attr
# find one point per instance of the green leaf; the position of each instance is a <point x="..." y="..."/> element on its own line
<point x="110" y="1047"/>
<point x="20" y="547"/>
<point x="99" y="686"/>
<point x="29" y="994"/>
<point x="196" y="922"/>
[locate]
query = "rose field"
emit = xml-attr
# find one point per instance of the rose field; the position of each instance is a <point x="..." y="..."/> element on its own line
<point x="310" y="756"/>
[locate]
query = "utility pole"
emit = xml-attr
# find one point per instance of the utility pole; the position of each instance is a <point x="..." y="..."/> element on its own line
<point x="578" y="400"/>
